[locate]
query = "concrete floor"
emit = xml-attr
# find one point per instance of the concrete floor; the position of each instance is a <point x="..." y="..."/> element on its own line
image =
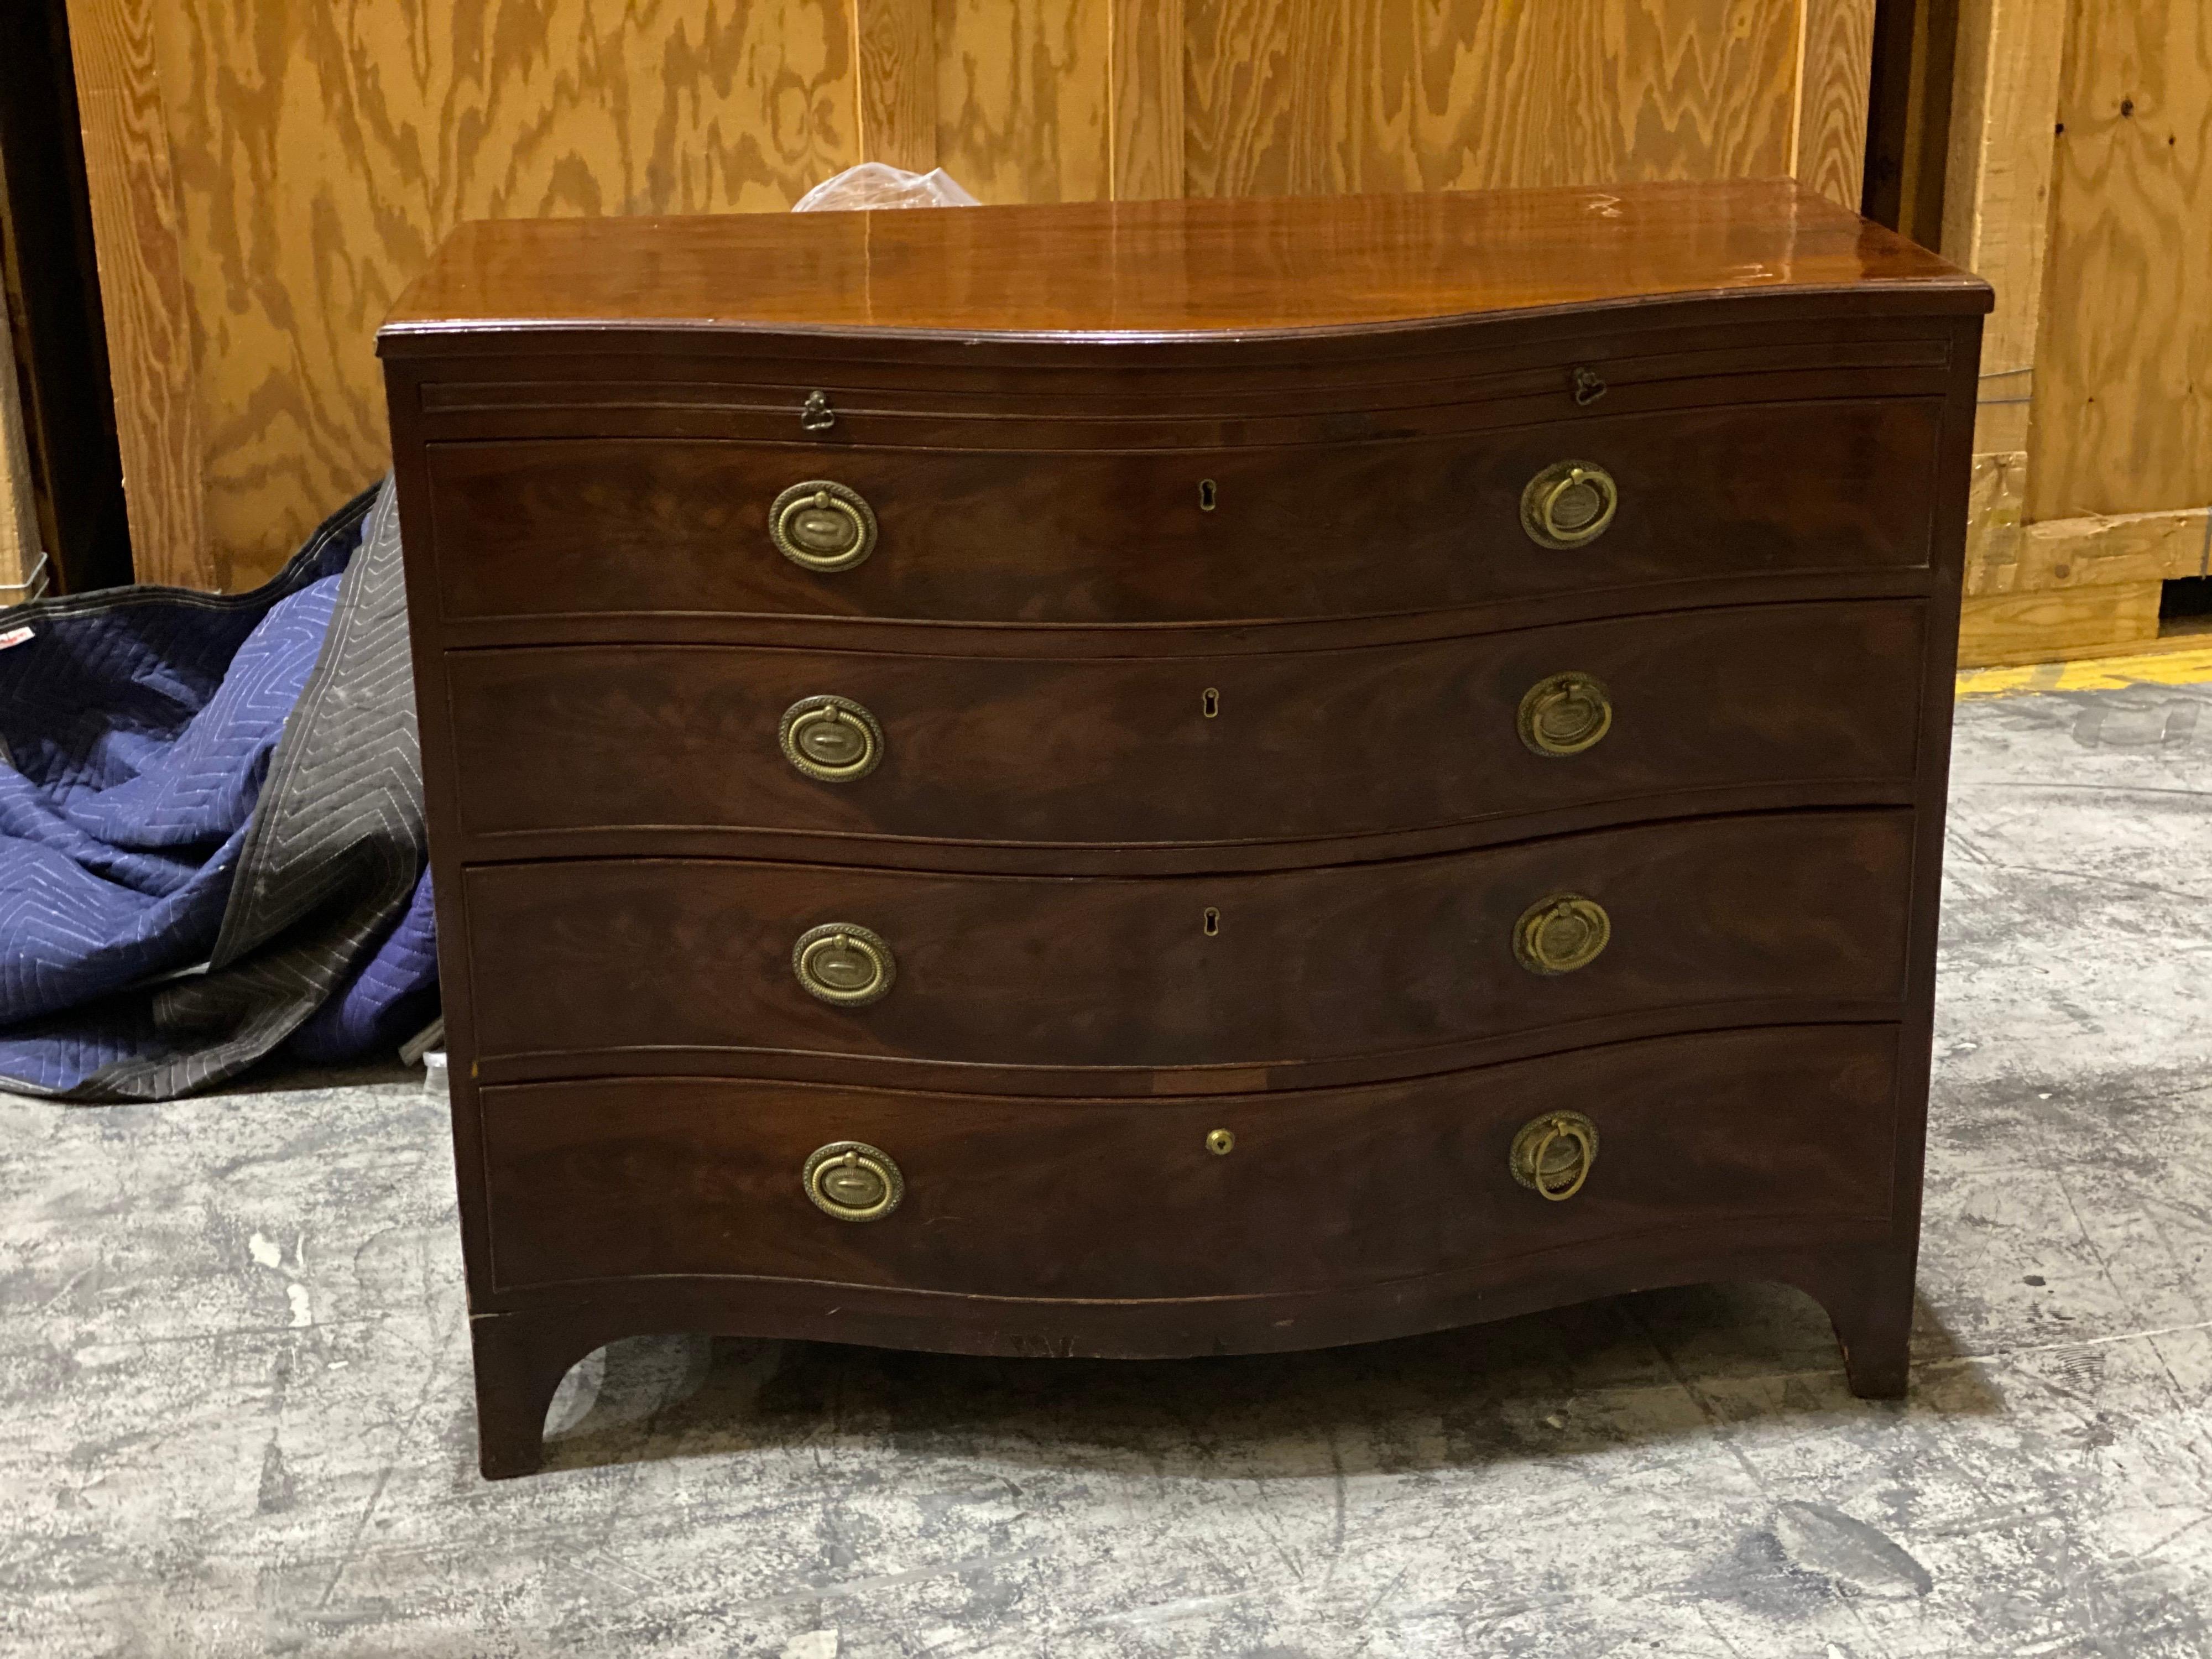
<point x="234" y="1411"/>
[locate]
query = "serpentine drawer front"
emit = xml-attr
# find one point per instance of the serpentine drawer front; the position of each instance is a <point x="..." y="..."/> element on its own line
<point x="1318" y="529"/>
<point x="1733" y="1131"/>
<point x="838" y="750"/>
<point x="1047" y="780"/>
<point x="1706" y="921"/>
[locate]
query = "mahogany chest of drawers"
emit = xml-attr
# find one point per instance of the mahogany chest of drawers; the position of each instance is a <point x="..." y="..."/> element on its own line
<point x="1164" y="778"/>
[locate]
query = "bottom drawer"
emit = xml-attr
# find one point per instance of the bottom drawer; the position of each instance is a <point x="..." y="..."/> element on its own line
<point x="1781" y="1134"/>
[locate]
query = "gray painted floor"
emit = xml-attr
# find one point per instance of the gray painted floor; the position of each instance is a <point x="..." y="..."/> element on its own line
<point x="234" y="1411"/>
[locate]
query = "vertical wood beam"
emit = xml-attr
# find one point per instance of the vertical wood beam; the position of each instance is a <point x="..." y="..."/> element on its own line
<point x="142" y="287"/>
<point x="1144" y="99"/>
<point x="1996" y="217"/>
<point x="1996" y="194"/>
<point x="895" y="63"/>
<point x="20" y="577"/>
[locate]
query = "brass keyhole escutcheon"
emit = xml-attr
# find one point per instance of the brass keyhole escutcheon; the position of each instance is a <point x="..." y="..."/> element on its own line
<point x="1552" y="1154"/>
<point x="814" y="415"/>
<point x="1221" y="1142"/>
<point x="1569" y="504"/>
<point x="852" y="1181"/>
<point x="823" y="525"/>
<point x="843" y="964"/>
<point x="1561" y="934"/>
<point x="1209" y="496"/>
<point x="1565" y="714"/>
<point x="832" y="738"/>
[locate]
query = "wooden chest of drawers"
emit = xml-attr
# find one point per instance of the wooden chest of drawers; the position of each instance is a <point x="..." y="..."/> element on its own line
<point x="1164" y="778"/>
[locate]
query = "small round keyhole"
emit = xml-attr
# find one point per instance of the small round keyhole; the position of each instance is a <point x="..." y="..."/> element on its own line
<point x="1221" y="1142"/>
<point x="1210" y="702"/>
<point x="1212" y="921"/>
<point x="1208" y="499"/>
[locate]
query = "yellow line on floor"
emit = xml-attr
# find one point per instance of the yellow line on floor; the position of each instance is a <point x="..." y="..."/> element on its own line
<point x="2093" y="674"/>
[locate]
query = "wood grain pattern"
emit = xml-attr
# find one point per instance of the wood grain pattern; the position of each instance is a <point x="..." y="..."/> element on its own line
<point x="152" y="322"/>
<point x="1836" y="57"/>
<point x="20" y="551"/>
<point x="1995" y="630"/>
<point x="1114" y="270"/>
<point x="322" y="152"/>
<point x="1145" y="95"/>
<point x="894" y="47"/>
<point x="1023" y="96"/>
<point x="2124" y="371"/>
<point x="1307" y="96"/>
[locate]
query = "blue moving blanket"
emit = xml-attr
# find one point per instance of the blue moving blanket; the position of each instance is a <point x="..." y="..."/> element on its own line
<point x="210" y="825"/>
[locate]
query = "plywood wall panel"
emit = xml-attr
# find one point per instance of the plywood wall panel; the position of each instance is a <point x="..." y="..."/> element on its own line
<point x="1144" y="113"/>
<point x="275" y="174"/>
<point x="321" y="152"/>
<point x="1836" y="65"/>
<point x="2122" y="416"/>
<point x="1023" y="100"/>
<point x="1297" y="96"/>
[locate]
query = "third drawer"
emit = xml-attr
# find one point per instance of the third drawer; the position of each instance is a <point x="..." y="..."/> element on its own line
<point x="1352" y="970"/>
<point x="1758" y="705"/>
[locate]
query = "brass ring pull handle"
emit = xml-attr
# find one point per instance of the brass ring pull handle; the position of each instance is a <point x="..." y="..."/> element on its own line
<point x="843" y="964"/>
<point x="852" y="1181"/>
<point x="1558" y="935"/>
<point x="1565" y="714"/>
<point x="823" y="525"/>
<point x="1569" y="504"/>
<point x="832" y="738"/>
<point x="1552" y="1154"/>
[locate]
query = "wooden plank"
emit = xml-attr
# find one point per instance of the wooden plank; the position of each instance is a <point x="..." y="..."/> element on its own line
<point x="21" y="577"/>
<point x="2015" y="627"/>
<point x="1305" y="97"/>
<point x="321" y="152"/>
<point x="1023" y="96"/>
<point x="143" y="292"/>
<point x="1997" y="187"/>
<point x="1145" y="50"/>
<point x="1836" y="60"/>
<point x="895" y="46"/>
<point x="2099" y="550"/>
<point x="2123" y="391"/>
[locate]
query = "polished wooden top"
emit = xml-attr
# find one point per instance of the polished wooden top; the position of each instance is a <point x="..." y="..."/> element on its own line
<point x="1170" y="268"/>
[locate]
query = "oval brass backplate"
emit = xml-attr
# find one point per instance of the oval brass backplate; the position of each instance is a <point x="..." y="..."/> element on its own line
<point x="832" y="738"/>
<point x="1565" y="714"/>
<point x="1569" y="504"/>
<point x="852" y="1181"/>
<point x="1552" y="1154"/>
<point x="843" y="964"/>
<point x="1558" y="934"/>
<point x="823" y="525"/>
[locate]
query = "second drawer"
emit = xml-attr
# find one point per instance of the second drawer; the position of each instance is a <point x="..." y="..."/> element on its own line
<point x="1363" y="969"/>
<point x="1815" y="699"/>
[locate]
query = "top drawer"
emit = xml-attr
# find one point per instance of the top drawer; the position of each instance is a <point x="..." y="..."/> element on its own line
<point x="567" y="526"/>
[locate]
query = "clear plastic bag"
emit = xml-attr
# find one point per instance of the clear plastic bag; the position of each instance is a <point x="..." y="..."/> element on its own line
<point x="874" y="184"/>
